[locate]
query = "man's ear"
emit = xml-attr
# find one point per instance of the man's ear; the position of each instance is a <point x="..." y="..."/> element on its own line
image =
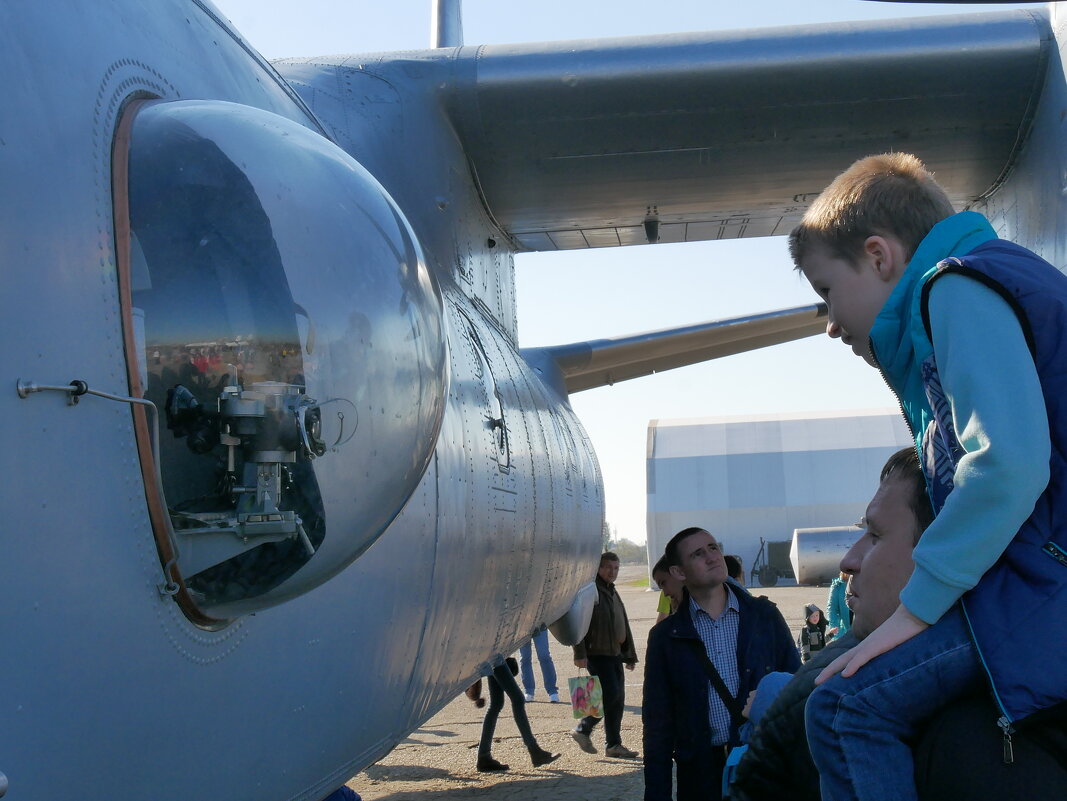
<point x="676" y="571"/>
<point x="885" y="254"/>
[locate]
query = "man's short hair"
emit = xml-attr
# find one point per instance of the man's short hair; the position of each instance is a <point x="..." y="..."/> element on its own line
<point x="733" y="566"/>
<point x="889" y="194"/>
<point x="671" y="552"/>
<point x="608" y="556"/>
<point x="904" y="466"/>
<point x="661" y="566"/>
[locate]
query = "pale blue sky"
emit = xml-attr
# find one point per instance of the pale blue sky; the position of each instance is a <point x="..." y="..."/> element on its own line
<point x="579" y="295"/>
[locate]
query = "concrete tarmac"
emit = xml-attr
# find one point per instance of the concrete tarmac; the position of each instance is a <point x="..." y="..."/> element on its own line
<point x="437" y="761"/>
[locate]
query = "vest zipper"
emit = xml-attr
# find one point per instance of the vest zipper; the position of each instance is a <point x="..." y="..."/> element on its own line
<point x="1005" y="726"/>
<point x="900" y="404"/>
<point x="1004" y="722"/>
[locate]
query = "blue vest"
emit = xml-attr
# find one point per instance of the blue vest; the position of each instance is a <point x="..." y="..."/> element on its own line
<point x="1018" y="611"/>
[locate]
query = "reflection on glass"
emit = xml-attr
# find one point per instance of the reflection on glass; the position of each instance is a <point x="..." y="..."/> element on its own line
<point x="220" y="332"/>
<point x="293" y="336"/>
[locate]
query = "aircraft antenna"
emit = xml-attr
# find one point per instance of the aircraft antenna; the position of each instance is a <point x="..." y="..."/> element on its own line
<point x="446" y="24"/>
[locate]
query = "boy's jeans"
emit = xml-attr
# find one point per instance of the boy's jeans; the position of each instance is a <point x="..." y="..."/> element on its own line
<point x="857" y="727"/>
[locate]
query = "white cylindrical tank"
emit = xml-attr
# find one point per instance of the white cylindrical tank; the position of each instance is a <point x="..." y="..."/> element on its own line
<point x="816" y="553"/>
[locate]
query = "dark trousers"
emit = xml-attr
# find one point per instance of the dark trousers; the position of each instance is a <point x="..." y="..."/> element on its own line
<point x="609" y="670"/>
<point x="499" y="683"/>
<point x="700" y="779"/>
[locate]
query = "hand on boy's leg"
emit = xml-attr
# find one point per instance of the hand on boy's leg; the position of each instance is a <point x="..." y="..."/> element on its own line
<point x="900" y="627"/>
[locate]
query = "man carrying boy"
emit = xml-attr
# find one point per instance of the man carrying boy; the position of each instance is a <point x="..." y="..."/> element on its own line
<point x="955" y="757"/>
<point x="968" y="331"/>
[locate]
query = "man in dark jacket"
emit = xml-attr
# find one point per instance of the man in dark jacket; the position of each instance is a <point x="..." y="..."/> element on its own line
<point x="685" y="718"/>
<point x="607" y="646"/>
<point x="956" y="759"/>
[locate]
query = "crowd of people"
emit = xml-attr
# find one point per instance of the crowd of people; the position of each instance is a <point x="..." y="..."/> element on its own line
<point x="941" y="672"/>
<point x="726" y="684"/>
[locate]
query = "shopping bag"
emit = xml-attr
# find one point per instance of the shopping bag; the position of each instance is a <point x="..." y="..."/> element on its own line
<point x="587" y="696"/>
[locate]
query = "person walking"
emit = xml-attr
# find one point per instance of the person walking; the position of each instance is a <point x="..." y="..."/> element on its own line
<point x="607" y="647"/>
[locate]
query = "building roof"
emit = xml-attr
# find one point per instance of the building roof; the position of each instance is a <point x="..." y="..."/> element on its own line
<point x="775" y="433"/>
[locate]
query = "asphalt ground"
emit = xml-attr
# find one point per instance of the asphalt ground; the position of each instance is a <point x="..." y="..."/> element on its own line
<point x="437" y="761"/>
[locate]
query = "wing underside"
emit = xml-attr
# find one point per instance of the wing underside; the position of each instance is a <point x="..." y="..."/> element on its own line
<point x="726" y="135"/>
<point x="694" y="137"/>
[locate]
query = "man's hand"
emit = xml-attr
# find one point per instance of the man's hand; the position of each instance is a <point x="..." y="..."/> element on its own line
<point x="901" y="626"/>
<point x="582" y="663"/>
<point x="631" y="665"/>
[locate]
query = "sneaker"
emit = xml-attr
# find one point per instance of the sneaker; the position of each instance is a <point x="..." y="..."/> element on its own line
<point x="528" y="697"/>
<point x="542" y="757"/>
<point x="583" y="741"/>
<point x="486" y="764"/>
<point x="553" y="697"/>
<point x="620" y="751"/>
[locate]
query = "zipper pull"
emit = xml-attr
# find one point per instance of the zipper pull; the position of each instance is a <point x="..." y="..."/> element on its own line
<point x="1005" y="726"/>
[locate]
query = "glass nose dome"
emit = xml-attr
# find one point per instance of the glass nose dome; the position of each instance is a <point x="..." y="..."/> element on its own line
<point x="288" y="330"/>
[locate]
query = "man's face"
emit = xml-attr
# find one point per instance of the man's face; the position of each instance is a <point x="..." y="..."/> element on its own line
<point x="609" y="571"/>
<point x="702" y="564"/>
<point x="670" y="584"/>
<point x="879" y="564"/>
<point x="854" y="295"/>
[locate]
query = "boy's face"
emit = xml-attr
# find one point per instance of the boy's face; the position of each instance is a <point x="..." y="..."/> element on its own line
<point x="854" y="292"/>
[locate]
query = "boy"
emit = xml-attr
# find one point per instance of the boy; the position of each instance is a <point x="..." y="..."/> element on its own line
<point x="812" y="637"/>
<point x="670" y="586"/>
<point x="968" y="331"/>
<point x="759" y="701"/>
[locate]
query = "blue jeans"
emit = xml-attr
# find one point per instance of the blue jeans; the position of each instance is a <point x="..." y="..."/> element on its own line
<point x="858" y="728"/>
<point x="548" y="669"/>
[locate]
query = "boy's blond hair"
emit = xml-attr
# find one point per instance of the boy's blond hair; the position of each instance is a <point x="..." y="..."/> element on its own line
<point x="889" y="194"/>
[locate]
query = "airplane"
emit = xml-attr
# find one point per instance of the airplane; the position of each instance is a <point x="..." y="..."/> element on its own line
<point x="280" y="481"/>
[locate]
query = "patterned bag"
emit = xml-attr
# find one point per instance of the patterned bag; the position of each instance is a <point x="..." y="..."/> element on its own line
<point x="587" y="696"/>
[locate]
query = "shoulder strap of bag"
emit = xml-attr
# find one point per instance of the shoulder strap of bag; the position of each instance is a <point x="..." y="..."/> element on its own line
<point x="733" y="705"/>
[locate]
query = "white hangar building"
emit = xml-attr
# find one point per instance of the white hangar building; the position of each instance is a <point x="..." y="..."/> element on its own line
<point x="743" y="478"/>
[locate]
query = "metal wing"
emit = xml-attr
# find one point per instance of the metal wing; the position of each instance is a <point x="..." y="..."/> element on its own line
<point x="586" y="365"/>
<point x="725" y="135"/>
